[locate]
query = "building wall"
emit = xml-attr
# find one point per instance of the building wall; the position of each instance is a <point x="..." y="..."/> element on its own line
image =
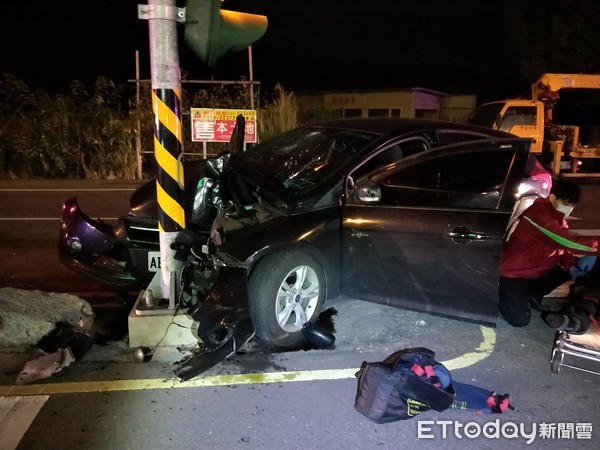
<point x="457" y="108"/>
<point x="408" y="103"/>
<point x="401" y="102"/>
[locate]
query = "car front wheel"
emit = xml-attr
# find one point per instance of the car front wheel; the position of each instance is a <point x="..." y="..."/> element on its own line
<point x="286" y="290"/>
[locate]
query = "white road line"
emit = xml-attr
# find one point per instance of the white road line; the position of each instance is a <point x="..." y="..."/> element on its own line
<point x="68" y="190"/>
<point x="14" y="219"/>
<point x="16" y="416"/>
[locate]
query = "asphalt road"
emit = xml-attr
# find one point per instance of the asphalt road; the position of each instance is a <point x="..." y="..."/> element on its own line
<point x="30" y="218"/>
<point x="258" y="399"/>
<point x="30" y="213"/>
<point x="263" y="400"/>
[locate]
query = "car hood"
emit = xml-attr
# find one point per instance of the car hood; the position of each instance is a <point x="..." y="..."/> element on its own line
<point x="229" y="179"/>
<point x="243" y="183"/>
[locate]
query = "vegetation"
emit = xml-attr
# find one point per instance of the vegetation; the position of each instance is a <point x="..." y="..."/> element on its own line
<point x="92" y="134"/>
<point x="560" y="37"/>
<point x="280" y="115"/>
<point x="77" y="135"/>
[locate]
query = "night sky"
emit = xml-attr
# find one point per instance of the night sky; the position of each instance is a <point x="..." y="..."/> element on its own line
<point x="455" y="46"/>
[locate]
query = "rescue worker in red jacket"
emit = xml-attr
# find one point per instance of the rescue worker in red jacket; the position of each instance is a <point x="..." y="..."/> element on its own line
<point x="540" y="252"/>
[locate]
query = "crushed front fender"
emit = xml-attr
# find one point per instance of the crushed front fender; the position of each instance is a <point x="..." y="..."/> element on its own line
<point x="224" y="322"/>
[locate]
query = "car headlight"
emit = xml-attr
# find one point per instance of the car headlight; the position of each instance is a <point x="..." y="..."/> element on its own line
<point x="74" y="245"/>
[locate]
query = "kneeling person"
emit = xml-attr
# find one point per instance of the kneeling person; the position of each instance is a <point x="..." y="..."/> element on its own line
<point x="538" y="255"/>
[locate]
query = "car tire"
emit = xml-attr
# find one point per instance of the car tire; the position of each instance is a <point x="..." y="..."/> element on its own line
<point x="282" y="288"/>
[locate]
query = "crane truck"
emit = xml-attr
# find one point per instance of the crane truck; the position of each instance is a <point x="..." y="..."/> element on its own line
<point x="558" y="146"/>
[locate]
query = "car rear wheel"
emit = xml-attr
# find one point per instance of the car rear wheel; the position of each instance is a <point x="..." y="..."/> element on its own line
<point x="286" y="290"/>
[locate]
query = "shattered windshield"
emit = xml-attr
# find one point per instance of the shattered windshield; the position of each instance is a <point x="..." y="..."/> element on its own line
<point x="301" y="158"/>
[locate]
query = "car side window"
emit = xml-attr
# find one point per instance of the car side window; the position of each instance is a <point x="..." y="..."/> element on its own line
<point x="449" y="137"/>
<point x="467" y="179"/>
<point x="393" y="154"/>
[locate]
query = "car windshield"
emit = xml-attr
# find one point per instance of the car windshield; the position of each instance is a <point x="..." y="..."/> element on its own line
<point x="486" y="115"/>
<point x="302" y="158"/>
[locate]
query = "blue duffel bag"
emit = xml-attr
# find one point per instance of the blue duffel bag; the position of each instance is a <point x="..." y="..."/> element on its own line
<point x="410" y="382"/>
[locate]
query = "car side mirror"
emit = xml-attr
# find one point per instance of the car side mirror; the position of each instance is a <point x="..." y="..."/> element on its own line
<point x="367" y="192"/>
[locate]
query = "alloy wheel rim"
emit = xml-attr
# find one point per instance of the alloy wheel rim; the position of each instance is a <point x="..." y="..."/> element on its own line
<point x="297" y="298"/>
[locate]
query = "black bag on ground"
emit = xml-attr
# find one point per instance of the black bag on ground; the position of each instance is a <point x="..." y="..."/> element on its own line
<point x="405" y="384"/>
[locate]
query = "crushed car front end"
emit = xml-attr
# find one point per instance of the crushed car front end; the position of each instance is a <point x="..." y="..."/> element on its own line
<point x="103" y="251"/>
<point x="125" y="256"/>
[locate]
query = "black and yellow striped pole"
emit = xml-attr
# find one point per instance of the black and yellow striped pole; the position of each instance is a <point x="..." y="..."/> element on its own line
<point x="163" y="17"/>
<point x="210" y="32"/>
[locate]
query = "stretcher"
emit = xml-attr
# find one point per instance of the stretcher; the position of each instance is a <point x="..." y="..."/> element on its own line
<point x="576" y="349"/>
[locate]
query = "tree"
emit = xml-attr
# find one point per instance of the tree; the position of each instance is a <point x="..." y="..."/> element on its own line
<point x="67" y="135"/>
<point x="555" y="36"/>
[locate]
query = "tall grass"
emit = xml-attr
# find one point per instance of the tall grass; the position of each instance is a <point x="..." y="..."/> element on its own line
<point x="92" y="134"/>
<point x="279" y="115"/>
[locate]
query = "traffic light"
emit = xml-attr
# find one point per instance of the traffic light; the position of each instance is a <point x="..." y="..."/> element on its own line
<point x="211" y="31"/>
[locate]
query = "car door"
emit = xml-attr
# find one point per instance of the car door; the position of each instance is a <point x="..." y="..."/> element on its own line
<point x="426" y="231"/>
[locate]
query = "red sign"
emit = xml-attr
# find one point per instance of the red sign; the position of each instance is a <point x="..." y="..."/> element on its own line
<point x="216" y="125"/>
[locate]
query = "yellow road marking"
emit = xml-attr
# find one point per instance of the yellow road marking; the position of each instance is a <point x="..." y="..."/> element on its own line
<point x="484" y="350"/>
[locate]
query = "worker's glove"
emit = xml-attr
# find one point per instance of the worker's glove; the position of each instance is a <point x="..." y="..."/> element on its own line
<point x="576" y="273"/>
<point x="582" y="267"/>
<point x="586" y="263"/>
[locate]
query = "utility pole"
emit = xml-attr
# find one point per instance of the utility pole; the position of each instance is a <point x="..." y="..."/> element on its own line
<point x="211" y="32"/>
<point x="251" y="74"/>
<point x="163" y="17"/>
<point x="138" y="127"/>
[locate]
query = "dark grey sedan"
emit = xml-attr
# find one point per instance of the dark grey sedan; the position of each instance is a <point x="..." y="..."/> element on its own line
<point x="404" y="212"/>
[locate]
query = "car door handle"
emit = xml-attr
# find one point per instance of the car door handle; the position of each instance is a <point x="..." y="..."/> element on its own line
<point x="464" y="233"/>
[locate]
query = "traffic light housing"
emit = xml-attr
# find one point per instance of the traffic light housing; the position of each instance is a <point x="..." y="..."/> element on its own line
<point x="210" y="31"/>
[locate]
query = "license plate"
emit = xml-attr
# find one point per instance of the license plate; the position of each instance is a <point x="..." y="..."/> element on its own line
<point x="153" y="261"/>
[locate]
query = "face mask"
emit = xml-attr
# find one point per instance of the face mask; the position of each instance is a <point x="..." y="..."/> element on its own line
<point x="566" y="210"/>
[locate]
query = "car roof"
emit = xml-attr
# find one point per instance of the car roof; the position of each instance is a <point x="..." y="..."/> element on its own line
<point x="390" y="125"/>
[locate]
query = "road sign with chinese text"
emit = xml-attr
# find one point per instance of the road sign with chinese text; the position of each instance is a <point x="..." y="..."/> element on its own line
<point x="216" y="125"/>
